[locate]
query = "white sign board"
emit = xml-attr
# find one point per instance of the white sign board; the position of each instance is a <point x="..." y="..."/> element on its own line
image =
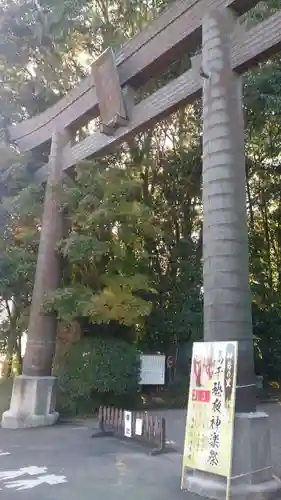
<point x="128" y="424"/>
<point x="138" y="429"/>
<point x="152" y="369"/>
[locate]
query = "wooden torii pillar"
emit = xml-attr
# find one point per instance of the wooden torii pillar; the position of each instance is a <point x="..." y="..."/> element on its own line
<point x="227" y="296"/>
<point x="33" y="396"/>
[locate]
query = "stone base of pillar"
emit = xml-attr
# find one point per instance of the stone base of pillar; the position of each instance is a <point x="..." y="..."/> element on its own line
<point x="252" y="473"/>
<point x="32" y="403"/>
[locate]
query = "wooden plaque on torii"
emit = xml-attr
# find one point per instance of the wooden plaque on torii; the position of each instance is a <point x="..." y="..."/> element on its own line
<point x="109" y="93"/>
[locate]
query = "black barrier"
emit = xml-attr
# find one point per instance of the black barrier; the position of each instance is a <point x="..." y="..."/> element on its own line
<point x="142" y="428"/>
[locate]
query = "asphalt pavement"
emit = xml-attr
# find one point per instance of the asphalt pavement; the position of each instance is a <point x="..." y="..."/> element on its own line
<point x="64" y="463"/>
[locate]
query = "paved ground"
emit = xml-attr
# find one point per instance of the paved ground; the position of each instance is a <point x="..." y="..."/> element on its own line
<point x="93" y="469"/>
<point x="75" y="467"/>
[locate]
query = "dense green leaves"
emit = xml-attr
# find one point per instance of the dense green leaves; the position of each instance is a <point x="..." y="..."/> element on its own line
<point x="105" y="248"/>
<point x="96" y="371"/>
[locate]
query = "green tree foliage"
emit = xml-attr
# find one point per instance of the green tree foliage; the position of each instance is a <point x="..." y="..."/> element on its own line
<point x="17" y="266"/>
<point x="97" y="372"/>
<point x="105" y="248"/>
<point x="19" y="232"/>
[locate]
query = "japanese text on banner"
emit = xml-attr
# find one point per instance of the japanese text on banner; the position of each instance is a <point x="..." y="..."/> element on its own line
<point x="211" y="408"/>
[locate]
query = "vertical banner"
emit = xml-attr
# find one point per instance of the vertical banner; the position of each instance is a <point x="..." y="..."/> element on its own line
<point x="128" y="424"/>
<point x="211" y="409"/>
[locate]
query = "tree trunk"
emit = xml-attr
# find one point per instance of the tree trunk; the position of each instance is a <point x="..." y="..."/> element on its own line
<point x="250" y="203"/>
<point x="9" y="360"/>
<point x="18" y="356"/>
<point x="12" y="315"/>
<point x="267" y="238"/>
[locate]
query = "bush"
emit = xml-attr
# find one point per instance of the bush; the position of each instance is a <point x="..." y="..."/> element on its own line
<point x="98" y="372"/>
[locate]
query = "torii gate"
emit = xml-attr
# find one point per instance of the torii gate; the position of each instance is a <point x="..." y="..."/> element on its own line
<point x="227" y="51"/>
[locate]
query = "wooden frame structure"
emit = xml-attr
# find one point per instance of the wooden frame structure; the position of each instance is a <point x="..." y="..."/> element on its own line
<point x="177" y="31"/>
<point x="228" y="50"/>
<point x="81" y="104"/>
